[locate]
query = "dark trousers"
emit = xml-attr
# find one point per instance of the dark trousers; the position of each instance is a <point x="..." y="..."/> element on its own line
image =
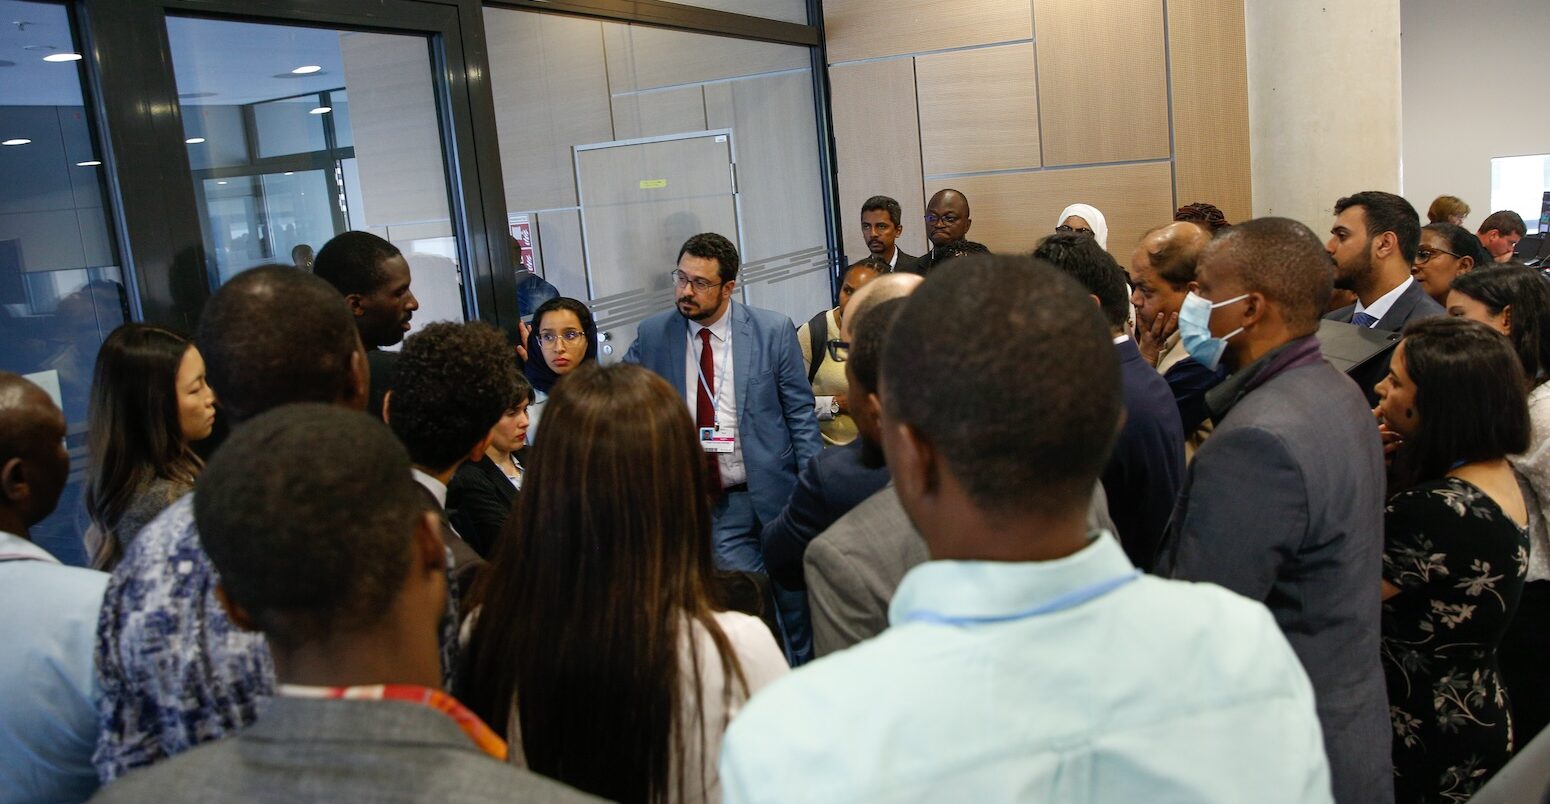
<point x="1524" y="657"/>
<point x="736" y="530"/>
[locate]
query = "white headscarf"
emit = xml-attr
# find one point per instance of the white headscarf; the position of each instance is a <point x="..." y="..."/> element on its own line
<point x="1094" y="220"/>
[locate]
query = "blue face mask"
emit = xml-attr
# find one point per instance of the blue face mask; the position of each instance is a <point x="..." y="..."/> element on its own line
<point x="1195" y="330"/>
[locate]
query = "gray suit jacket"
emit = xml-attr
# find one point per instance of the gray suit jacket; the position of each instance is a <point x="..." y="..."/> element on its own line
<point x="335" y="750"/>
<point x="1284" y="504"/>
<point x="854" y="567"/>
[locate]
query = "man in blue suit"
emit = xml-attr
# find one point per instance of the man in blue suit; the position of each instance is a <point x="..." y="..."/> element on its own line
<point x="740" y="371"/>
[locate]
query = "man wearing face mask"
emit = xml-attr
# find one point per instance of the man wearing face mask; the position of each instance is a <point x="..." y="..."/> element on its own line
<point x="1284" y="503"/>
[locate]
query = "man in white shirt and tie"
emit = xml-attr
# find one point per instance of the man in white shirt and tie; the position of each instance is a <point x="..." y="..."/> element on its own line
<point x="740" y="371"/>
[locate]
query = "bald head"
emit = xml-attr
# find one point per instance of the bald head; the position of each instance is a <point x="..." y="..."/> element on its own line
<point x="947" y="217"/>
<point x="879" y="290"/>
<point x="1280" y="258"/>
<point x="33" y="461"/>
<point x="1173" y="250"/>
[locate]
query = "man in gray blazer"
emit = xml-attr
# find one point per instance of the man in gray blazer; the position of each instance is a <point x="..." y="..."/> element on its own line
<point x="1284" y="503"/>
<point x="1373" y="243"/>
<point x="312" y="519"/>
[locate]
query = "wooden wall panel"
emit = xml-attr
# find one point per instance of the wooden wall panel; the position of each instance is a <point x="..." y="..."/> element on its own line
<point x="979" y="110"/>
<point x="877" y="146"/>
<point x="865" y="29"/>
<point x="668" y="111"/>
<point x="551" y="92"/>
<point x="1012" y="211"/>
<point x="1103" y="92"/>
<point x="1210" y="105"/>
<point x="642" y="57"/>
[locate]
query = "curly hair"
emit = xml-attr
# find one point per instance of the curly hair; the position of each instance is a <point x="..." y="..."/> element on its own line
<point x="453" y="383"/>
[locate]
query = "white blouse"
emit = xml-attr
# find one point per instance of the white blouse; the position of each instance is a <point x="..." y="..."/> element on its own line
<point x="762" y="662"/>
<point x="1534" y="470"/>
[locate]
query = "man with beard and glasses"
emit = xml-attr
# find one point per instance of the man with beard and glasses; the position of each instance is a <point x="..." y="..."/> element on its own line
<point x="374" y="278"/>
<point x="739" y="369"/>
<point x="1373" y="245"/>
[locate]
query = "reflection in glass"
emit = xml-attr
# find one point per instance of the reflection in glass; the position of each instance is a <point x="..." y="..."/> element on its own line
<point x="61" y="290"/>
<point x="291" y="159"/>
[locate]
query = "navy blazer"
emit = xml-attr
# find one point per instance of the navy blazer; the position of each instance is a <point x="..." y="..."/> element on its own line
<point x="1146" y="469"/>
<point x="828" y="487"/>
<point x="775" y="419"/>
<point x="1411" y="305"/>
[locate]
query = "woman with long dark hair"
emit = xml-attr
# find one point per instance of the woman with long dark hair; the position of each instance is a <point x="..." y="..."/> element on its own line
<point x="1455" y="553"/>
<point x="598" y="648"/>
<point x="562" y="338"/>
<point x="1515" y="301"/>
<point x="149" y="403"/>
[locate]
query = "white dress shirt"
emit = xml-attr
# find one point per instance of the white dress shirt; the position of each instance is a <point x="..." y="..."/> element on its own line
<point x="732" y="470"/>
<point x="1380" y="308"/>
<point x="48" y="695"/>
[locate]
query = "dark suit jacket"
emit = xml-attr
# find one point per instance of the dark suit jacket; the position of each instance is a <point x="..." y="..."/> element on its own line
<point x="1146" y="468"/>
<point x="479" y="499"/>
<point x="303" y="749"/>
<point x="776" y="426"/>
<point x="827" y="488"/>
<point x="1284" y="504"/>
<point x="384" y="367"/>
<point x="1189" y="381"/>
<point x="906" y="263"/>
<point x="1411" y="305"/>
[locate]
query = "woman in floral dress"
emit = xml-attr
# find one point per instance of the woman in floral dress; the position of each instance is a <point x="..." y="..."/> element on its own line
<point x="1455" y="553"/>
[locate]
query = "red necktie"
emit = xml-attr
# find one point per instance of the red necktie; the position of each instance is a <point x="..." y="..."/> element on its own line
<point x="705" y="406"/>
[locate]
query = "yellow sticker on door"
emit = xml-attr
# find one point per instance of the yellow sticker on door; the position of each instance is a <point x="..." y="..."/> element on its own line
<point x="653" y="184"/>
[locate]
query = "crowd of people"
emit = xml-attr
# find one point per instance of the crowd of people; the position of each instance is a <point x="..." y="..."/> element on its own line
<point x="995" y="527"/>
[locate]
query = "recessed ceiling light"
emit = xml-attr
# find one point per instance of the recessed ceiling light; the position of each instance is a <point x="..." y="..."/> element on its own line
<point x="322" y="110"/>
<point x="194" y="140"/>
<point x="17" y="141"/>
<point x="290" y="172"/>
<point x="220" y="182"/>
<point x="307" y="69"/>
<point x="62" y="57"/>
<point x="88" y="163"/>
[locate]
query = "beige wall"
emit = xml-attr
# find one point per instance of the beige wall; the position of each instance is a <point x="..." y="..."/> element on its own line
<point x="1132" y="106"/>
<point x="1324" y="104"/>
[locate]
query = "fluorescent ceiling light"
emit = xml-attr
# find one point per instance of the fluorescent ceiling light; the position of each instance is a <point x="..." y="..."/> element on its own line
<point x="62" y="57"/>
<point x="289" y="172"/>
<point x="17" y="141"/>
<point x="88" y="163"/>
<point x="322" y="110"/>
<point x="220" y="182"/>
<point x="194" y="140"/>
<point x="307" y="69"/>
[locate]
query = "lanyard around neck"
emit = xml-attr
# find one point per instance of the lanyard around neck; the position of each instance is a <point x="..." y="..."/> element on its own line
<point x="481" y="735"/>
<point x="1069" y="600"/>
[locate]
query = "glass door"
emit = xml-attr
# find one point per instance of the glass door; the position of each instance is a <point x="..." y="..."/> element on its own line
<point x="297" y="133"/>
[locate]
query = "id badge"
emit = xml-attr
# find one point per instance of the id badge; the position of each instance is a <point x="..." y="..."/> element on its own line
<point x="710" y="442"/>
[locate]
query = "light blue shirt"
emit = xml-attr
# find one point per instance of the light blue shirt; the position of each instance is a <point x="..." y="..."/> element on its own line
<point x="1152" y="691"/>
<point x="48" y="715"/>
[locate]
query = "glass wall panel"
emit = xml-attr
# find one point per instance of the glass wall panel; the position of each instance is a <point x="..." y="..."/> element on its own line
<point x="619" y="141"/>
<point x="61" y="287"/>
<point x="333" y="130"/>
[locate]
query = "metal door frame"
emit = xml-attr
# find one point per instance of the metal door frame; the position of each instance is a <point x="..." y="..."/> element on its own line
<point x="581" y="201"/>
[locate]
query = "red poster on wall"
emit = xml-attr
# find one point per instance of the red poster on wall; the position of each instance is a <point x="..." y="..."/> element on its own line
<point x="522" y="232"/>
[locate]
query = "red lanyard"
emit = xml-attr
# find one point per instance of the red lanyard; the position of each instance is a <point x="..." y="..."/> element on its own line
<point x="469" y="722"/>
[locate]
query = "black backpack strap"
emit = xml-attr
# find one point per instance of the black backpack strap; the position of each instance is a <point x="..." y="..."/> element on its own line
<point x="818" y="342"/>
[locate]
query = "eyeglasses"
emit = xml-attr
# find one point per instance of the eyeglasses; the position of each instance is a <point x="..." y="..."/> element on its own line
<point x="569" y="335"/>
<point x="838" y="350"/>
<point x="681" y="279"/>
<point x="1425" y="255"/>
<point x="1064" y="229"/>
<point x="949" y="219"/>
